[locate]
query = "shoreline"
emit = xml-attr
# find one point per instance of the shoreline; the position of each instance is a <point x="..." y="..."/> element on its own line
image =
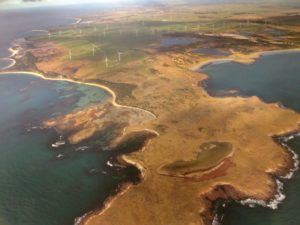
<point x="110" y="91"/>
<point x="244" y="59"/>
<point x="11" y="58"/>
<point x="15" y="52"/>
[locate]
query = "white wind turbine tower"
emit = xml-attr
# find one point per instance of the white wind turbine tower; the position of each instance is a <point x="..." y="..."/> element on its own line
<point x="70" y="54"/>
<point x="119" y="56"/>
<point x="93" y="49"/>
<point x="136" y="32"/>
<point x="213" y="28"/>
<point x="106" y="61"/>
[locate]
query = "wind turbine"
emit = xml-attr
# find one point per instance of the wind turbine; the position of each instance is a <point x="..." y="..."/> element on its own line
<point x="70" y="54"/>
<point x="213" y="28"/>
<point x="93" y="49"/>
<point x="106" y="61"/>
<point x="136" y="32"/>
<point x="119" y="56"/>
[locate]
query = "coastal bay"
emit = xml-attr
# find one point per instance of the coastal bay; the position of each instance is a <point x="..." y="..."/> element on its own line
<point x="42" y="184"/>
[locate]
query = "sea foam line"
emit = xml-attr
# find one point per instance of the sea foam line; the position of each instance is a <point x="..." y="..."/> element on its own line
<point x="273" y="204"/>
<point x="80" y="219"/>
<point x="283" y="142"/>
<point x="279" y="196"/>
<point x="13" y="53"/>
<point x="12" y="63"/>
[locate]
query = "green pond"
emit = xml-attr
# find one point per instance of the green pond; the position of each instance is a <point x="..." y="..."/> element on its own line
<point x="44" y="185"/>
<point x="273" y="78"/>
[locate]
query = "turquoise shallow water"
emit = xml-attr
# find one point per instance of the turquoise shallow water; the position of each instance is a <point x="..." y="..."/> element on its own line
<point x="36" y="187"/>
<point x="273" y="78"/>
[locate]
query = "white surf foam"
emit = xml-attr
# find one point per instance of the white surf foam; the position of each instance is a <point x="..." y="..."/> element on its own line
<point x="80" y="219"/>
<point x="279" y="197"/>
<point x="295" y="156"/>
<point x="9" y="63"/>
<point x="273" y="204"/>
